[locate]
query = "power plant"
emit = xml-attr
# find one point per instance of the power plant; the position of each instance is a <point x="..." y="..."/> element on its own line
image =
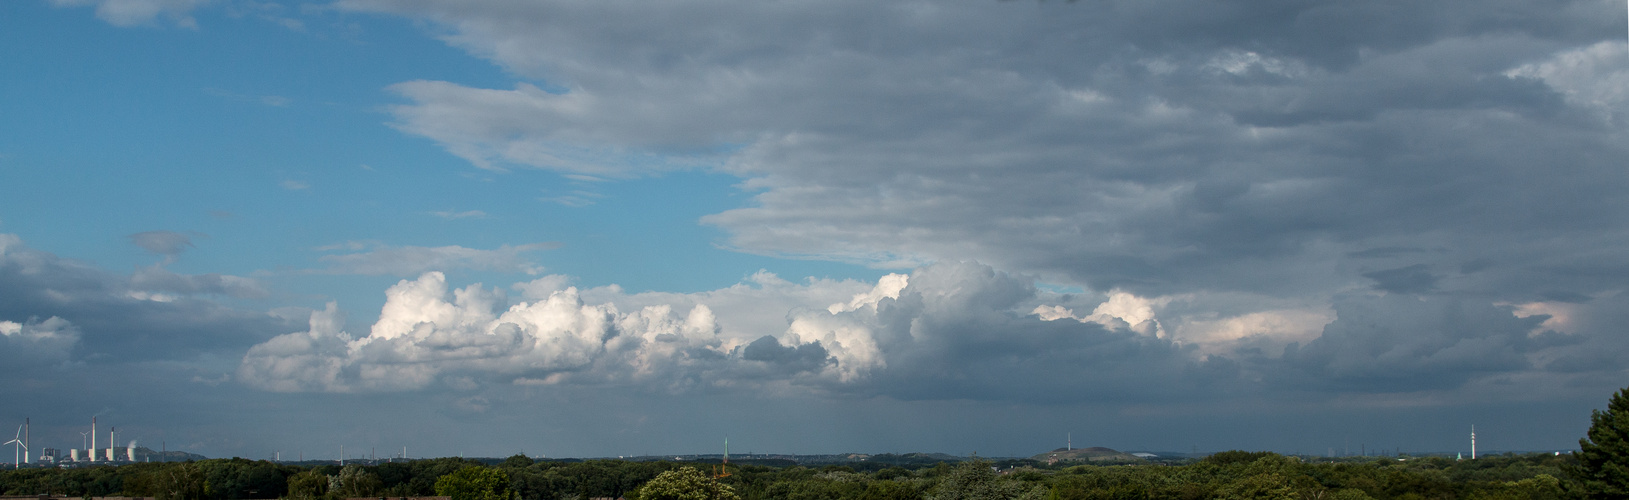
<point x="91" y="453"/>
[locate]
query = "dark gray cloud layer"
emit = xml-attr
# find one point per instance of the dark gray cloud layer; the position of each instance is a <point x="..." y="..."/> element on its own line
<point x="1401" y="343"/>
<point x="1437" y="185"/>
<point x="1162" y="147"/>
<point x="152" y="315"/>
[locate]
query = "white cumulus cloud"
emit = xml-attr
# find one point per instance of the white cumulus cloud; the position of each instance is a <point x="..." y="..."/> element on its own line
<point x="425" y="332"/>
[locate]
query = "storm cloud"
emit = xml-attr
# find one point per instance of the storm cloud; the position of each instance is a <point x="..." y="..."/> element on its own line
<point x="1224" y="147"/>
<point x="150" y="315"/>
<point x="1129" y="209"/>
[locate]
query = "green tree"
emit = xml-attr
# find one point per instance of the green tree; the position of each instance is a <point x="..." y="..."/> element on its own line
<point x="892" y="472"/>
<point x="181" y="482"/>
<point x="475" y="483"/>
<point x="1258" y="487"/>
<point x="974" y="480"/>
<point x="685" y="483"/>
<point x="892" y="490"/>
<point x="517" y="461"/>
<point x="354" y="482"/>
<point x="1602" y="470"/>
<point x="308" y="485"/>
<point x="1350" y="494"/>
<point x="1231" y="457"/>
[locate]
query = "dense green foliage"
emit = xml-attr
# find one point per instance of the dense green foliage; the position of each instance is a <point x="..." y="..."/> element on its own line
<point x="685" y="483"/>
<point x="182" y="482"/>
<point x="308" y="485"/>
<point x="977" y="480"/>
<point x="1254" y="475"/>
<point x="474" y="483"/>
<point x="1603" y="457"/>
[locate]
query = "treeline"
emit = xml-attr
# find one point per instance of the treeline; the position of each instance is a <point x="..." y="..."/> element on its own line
<point x="1225" y="475"/>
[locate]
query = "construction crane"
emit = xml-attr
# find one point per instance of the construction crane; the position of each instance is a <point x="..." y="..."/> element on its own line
<point x="723" y="470"/>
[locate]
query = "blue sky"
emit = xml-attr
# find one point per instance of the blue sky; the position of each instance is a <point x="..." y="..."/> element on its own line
<point x="607" y="228"/>
<point x="251" y="135"/>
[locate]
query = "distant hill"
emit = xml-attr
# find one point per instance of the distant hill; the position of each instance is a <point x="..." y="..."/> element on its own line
<point x="913" y="459"/>
<point x="1093" y="454"/>
<point x="850" y="459"/>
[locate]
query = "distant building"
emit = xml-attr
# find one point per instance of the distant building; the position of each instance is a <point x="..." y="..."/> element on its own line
<point x="1144" y="455"/>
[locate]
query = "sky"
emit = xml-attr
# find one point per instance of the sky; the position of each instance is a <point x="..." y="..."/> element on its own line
<point x="603" y="228"/>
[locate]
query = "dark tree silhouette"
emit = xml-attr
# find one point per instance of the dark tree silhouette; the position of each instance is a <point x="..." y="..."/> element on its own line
<point x="1602" y="470"/>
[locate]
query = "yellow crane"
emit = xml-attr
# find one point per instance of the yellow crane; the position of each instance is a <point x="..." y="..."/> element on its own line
<point x="723" y="470"/>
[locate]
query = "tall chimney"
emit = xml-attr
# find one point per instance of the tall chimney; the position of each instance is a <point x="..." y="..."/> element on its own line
<point x="111" y="444"/>
<point x="92" y="449"/>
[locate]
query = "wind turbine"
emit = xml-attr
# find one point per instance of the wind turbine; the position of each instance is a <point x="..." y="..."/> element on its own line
<point x="16" y="451"/>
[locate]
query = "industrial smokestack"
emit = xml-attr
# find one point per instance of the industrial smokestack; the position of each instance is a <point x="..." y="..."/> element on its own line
<point x="112" y="444"/>
<point x="92" y="449"/>
<point x="26" y="449"/>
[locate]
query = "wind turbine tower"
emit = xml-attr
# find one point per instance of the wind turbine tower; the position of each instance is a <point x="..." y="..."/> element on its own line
<point x="25" y="442"/>
<point x="16" y="463"/>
